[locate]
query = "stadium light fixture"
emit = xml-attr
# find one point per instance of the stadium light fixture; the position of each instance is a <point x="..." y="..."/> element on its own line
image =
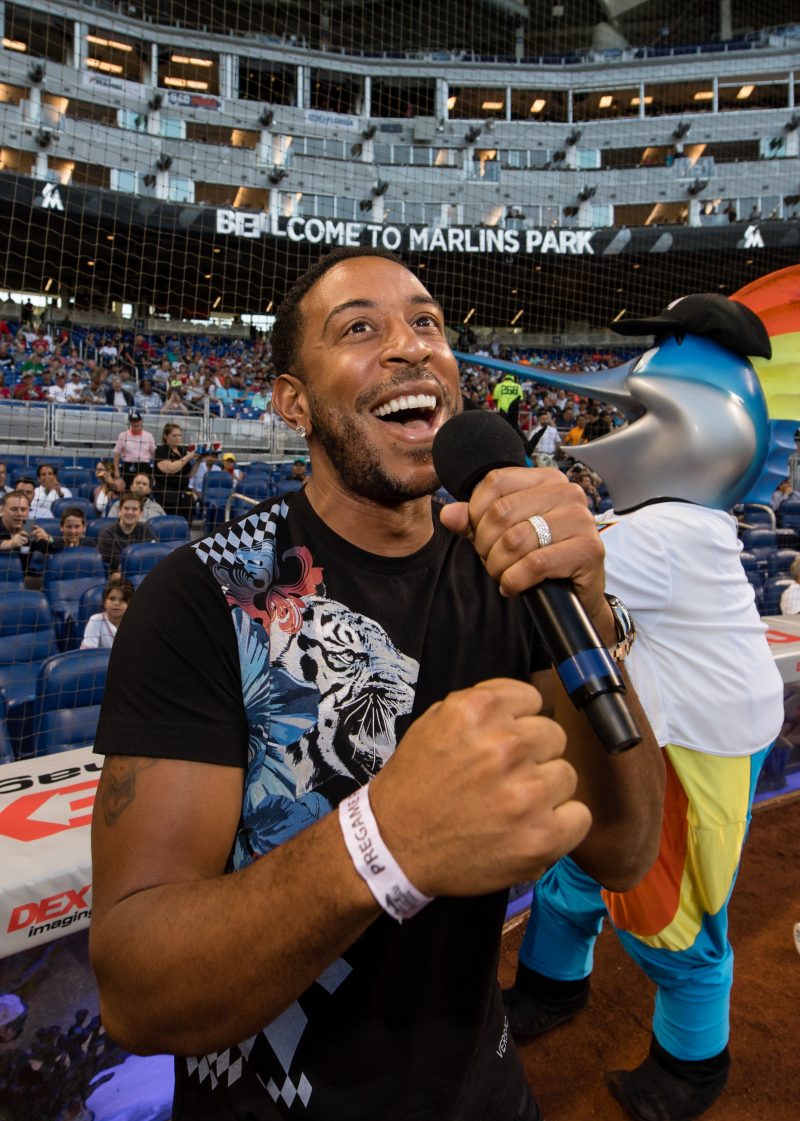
<point x="468" y="316"/>
<point x="155" y="102"/>
<point x="451" y="103"/>
<point x="185" y="84"/>
<point x="606" y="101"/>
<point x="537" y="105"/>
<point x="793" y="123"/>
<point x="35" y="73"/>
<point x="216" y="303"/>
<point x="681" y="130"/>
<point x="112" y="44"/>
<point x="365" y="204"/>
<point x="704" y="95"/>
<point x="573" y="138"/>
<point x="587" y="193"/>
<point x="14" y="44"/>
<point x="492" y="104"/>
<point x="266" y="118"/>
<point x="380" y="188"/>
<point x="164" y="163"/>
<point x="44" y="138"/>
<point x="697" y="186"/>
<point x="369" y="132"/>
<point x="190" y="60"/>
<point x="106" y="67"/>
<point x="744" y="93"/>
<point x="473" y="134"/>
<point x="277" y="175"/>
<point x="517" y="317"/>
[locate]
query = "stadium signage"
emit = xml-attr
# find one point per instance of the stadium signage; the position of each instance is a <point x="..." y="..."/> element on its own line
<point x="421" y="239"/>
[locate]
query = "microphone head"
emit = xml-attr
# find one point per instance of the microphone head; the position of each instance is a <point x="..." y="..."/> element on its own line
<point x="469" y="446"/>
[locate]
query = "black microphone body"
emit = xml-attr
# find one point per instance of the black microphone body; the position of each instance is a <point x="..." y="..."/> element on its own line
<point x="464" y="451"/>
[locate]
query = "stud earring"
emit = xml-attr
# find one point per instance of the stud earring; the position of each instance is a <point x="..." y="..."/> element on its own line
<point x="301" y="432"/>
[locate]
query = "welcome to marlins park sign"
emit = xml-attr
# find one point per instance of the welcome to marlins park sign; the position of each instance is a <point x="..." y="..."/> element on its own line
<point x="420" y="239"/>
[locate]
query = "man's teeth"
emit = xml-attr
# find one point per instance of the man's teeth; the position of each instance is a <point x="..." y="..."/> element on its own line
<point x="413" y="401"/>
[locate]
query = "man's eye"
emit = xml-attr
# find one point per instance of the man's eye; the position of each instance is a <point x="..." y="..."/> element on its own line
<point x="357" y="328"/>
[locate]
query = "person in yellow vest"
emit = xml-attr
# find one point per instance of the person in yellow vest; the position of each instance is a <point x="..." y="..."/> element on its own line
<point x="507" y="396"/>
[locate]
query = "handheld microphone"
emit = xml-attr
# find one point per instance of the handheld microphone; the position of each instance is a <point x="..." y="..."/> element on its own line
<point x="465" y="449"/>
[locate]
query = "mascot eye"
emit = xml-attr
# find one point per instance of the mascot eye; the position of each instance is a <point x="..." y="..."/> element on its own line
<point x="645" y="360"/>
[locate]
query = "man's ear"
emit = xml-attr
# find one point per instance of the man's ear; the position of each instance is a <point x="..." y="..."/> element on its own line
<point x="290" y="402"/>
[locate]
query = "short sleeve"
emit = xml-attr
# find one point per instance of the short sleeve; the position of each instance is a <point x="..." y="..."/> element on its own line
<point x="174" y="683"/>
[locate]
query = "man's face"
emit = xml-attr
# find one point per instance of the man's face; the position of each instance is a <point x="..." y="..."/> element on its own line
<point x="380" y="377"/>
<point x="2" y="474"/>
<point x="15" y="511"/>
<point x="129" y="514"/>
<point x="141" y="486"/>
<point x="544" y="419"/>
<point x="27" y="489"/>
<point x="73" y="528"/>
<point x="47" y="477"/>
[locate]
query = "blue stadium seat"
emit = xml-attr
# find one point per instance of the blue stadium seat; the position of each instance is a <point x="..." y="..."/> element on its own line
<point x="67" y="575"/>
<point x="259" y="486"/>
<point x="11" y="572"/>
<point x="760" y="542"/>
<point x="774" y="587"/>
<point x="779" y="562"/>
<point x="755" y="514"/>
<point x="140" y="558"/>
<point x="68" y="696"/>
<point x="27" y="638"/>
<point x="84" y="504"/>
<point x="286" y="486"/>
<point x="217" y="487"/>
<point x="95" y="527"/>
<point x="73" y="477"/>
<point x="6" y="750"/>
<point x="169" y="527"/>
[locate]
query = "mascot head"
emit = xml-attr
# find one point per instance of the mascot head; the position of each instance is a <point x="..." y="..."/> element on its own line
<point x="711" y="407"/>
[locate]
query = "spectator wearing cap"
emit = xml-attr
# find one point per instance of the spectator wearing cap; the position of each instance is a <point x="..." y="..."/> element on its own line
<point x="134" y="450"/>
<point x="299" y="471"/>
<point x="117" y="395"/>
<point x="58" y="391"/>
<point x="229" y="465"/>
<point x="26" y="390"/>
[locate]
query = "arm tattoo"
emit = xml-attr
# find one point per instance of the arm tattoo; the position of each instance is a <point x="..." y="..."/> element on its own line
<point x="119" y="787"/>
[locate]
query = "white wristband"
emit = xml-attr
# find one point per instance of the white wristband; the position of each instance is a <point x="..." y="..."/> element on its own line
<point x="374" y="863"/>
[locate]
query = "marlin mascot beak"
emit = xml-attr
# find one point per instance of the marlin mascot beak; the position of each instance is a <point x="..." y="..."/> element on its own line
<point x="699" y="426"/>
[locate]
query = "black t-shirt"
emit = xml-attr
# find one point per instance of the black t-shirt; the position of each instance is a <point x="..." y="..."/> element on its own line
<point x="277" y="646"/>
<point x="178" y="480"/>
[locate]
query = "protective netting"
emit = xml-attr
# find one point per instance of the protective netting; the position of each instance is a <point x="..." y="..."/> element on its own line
<point x="169" y="168"/>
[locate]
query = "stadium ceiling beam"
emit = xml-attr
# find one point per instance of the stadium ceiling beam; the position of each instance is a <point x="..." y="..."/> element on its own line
<point x="512" y="7"/>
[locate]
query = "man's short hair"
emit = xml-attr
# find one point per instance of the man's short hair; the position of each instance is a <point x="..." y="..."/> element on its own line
<point x="288" y="321"/>
<point x="53" y="467"/>
<point x="72" y="512"/>
<point x="129" y="496"/>
<point x="14" y="494"/>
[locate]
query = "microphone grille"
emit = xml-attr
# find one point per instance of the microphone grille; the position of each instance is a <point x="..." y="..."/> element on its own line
<point x="472" y="444"/>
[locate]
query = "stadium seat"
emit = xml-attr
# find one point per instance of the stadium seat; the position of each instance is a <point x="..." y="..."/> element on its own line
<point x="774" y="587"/>
<point x="759" y="542"/>
<point x="84" y="504"/>
<point x="779" y="562"/>
<point x="27" y="637"/>
<point x="140" y="558"/>
<point x="169" y="527"/>
<point x="11" y="572"/>
<point x="755" y="514"/>
<point x="6" y="750"/>
<point x="95" y="527"/>
<point x="67" y="575"/>
<point x="286" y="486"/>
<point x="73" y="477"/>
<point x="67" y="706"/>
<point x="259" y="486"/>
<point x="749" y="561"/>
<point x="217" y="487"/>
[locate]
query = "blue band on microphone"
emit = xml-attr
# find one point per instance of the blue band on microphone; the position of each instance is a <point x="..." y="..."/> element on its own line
<point x="587" y="666"/>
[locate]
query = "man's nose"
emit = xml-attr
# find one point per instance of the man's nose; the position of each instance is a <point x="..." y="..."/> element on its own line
<point x="404" y="345"/>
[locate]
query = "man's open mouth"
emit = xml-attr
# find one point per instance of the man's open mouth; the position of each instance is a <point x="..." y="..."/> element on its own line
<point x="412" y="410"/>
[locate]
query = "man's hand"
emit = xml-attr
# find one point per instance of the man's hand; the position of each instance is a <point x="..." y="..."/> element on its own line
<point x="496" y="521"/>
<point x="476" y="796"/>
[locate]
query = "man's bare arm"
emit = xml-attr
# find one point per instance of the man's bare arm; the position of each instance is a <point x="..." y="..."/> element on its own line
<point x="475" y="798"/>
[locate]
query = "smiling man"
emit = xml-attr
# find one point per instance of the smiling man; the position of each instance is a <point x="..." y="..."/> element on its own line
<point x="302" y="847"/>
